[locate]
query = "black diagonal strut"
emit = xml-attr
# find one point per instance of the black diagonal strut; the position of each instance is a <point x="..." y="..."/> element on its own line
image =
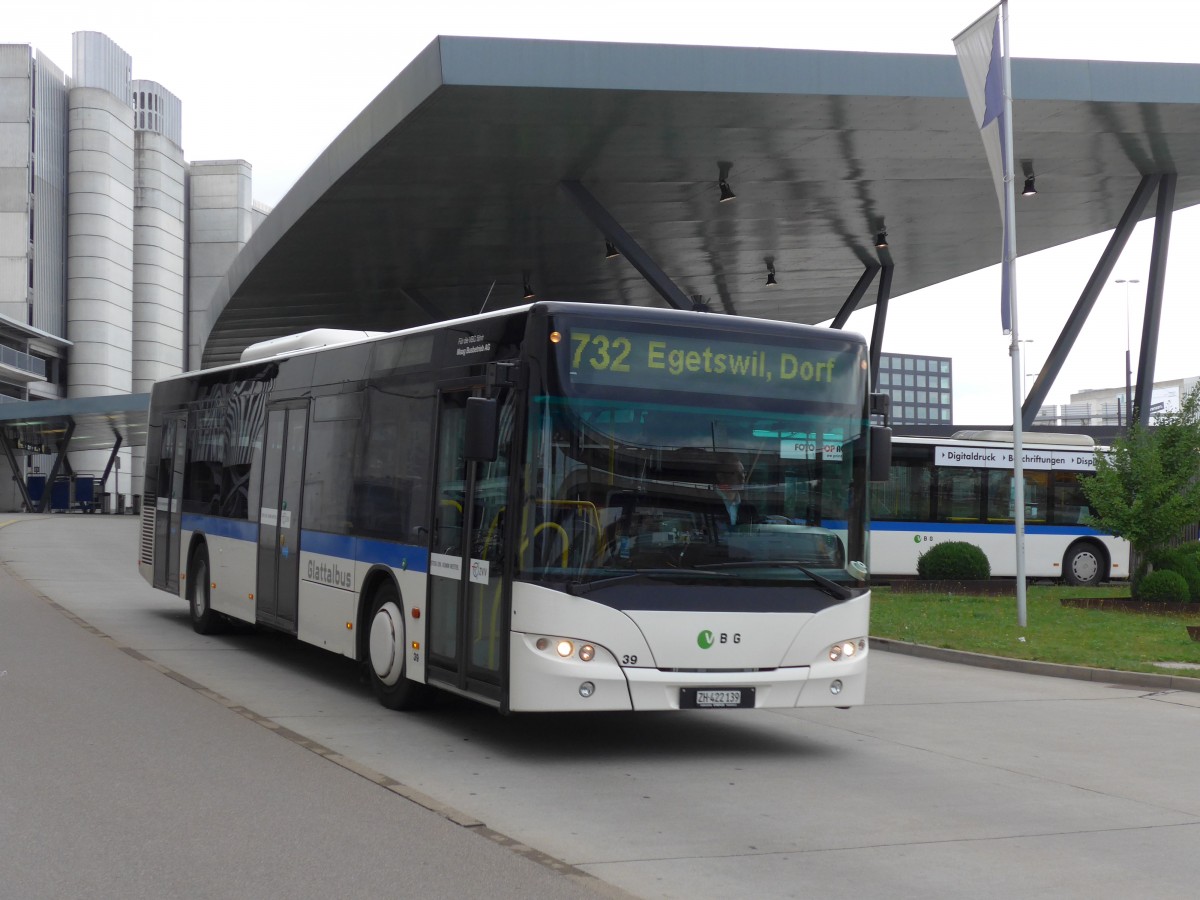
<point x="1154" y="293"/>
<point x="18" y="471"/>
<point x="881" y="305"/>
<point x="1083" y="307"/>
<point x="621" y="239"/>
<point x="60" y="459"/>
<point x="856" y="295"/>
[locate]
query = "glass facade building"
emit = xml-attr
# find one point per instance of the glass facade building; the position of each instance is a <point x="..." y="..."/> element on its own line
<point x="921" y="388"/>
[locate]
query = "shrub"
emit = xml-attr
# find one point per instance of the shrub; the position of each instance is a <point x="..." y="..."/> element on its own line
<point x="1185" y="563"/>
<point x="1189" y="550"/>
<point x="1163" y="585"/>
<point x="954" y="561"/>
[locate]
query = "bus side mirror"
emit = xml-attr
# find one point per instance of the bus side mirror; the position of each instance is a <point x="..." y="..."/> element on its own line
<point x="481" y="442"/>
<point x="881" y="453"/>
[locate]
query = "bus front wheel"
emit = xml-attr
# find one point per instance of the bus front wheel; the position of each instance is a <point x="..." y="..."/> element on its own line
<point x="204" y="619"/>
<point x="386" y="653"/>
<point x="1083" y="565"/>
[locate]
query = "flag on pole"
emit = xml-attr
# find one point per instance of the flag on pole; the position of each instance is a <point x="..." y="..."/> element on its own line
<point x="981" y="57"/>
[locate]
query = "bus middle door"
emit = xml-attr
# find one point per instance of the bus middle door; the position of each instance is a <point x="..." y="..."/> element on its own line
<point x="279" y="515"/>
<point x="467" y="627"/>
<point x="168" y="506"/>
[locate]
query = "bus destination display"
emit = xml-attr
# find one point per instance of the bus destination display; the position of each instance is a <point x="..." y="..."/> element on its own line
<point x="708" y="365"/>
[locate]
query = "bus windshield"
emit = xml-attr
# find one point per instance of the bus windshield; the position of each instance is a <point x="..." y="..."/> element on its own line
<point x="719" y="476"/>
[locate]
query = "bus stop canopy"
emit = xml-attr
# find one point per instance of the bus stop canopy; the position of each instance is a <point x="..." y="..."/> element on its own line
<point x="494" y="169"/>
<point x="59" y="427"/>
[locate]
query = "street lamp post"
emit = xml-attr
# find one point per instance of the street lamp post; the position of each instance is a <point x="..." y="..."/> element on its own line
<point x="1025" y="380"/>
<point x="1128" y="367"/>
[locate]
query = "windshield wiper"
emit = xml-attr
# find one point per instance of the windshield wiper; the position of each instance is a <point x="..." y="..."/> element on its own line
<point x="832" y="588"/>
<point x="581" y="587"/>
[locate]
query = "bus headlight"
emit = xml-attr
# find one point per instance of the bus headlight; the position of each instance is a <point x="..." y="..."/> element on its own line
<point x="847" y="649"/>
<point x="566" y="648"/>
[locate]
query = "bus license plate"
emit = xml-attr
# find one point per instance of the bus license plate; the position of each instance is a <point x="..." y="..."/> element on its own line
<point x="715" y="698"/>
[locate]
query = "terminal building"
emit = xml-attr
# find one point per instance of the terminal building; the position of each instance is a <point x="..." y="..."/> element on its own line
<point x="111" y="242"/>
<point x="1109" y="406"/>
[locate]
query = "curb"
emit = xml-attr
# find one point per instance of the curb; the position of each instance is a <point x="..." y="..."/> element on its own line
<point x="1032" y="667"/>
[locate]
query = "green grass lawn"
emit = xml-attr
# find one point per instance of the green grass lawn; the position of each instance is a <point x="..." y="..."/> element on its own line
<point x="1103" y="639"/>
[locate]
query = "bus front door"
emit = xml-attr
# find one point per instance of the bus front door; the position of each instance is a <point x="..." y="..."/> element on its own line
<point x="466" y="645"/>
<point x="279" y="515"/>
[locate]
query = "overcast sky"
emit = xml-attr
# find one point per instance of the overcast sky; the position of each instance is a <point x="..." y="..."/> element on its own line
<point x="274" y="83"/>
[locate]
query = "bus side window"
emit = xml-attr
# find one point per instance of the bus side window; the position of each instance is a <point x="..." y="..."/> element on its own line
<point x="958" y="494"/>
<point x="1000" y="496"/>
<point x="906" y="496"/>
<point x="1070" y="506"/>
<point x="1036" y="496"/>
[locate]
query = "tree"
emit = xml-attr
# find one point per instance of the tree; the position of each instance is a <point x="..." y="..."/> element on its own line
<point x="1147" y="487"/>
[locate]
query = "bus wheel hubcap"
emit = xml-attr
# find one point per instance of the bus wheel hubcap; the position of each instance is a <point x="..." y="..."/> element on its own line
<point x="1085" y="566"/>
<point x="387" y="643"/>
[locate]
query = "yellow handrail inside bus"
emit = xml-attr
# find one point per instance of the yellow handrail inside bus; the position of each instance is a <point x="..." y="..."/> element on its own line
<point x="565" y="538"/>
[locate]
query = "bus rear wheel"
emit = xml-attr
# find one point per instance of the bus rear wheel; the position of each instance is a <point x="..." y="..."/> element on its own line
<point x="1083" y="565"/>
<point x="204" y="619"/>
<point x="386" y="654"/>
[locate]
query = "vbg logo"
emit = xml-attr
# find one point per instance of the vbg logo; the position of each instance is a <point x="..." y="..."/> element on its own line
<point x="922" y="538"/>
<point x="706" y="639"/>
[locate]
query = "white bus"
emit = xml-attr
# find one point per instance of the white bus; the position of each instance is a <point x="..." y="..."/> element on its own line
<point x="522" y="507"/>
<point x="962" y="489"/>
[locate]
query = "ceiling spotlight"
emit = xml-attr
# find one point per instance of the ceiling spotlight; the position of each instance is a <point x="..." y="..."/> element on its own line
<point x="1029" y="190"/>
<point x="771" y="275"/>
<point x="881" y="241"/>
<point x="610" y="251"/>
<point x="726" y="191"/>
<point x="529" y="294"/>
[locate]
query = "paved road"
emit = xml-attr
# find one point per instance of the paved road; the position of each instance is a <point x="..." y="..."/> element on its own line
<point x="116" y="781"/>
<point x="952" y="782"/>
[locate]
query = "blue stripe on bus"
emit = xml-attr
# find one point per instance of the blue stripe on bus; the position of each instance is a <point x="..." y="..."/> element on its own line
<point x="982" y="528"/>
<point x="340" y="545"/>
<point x="364" y="550"/>
<point x="238" y="529"/>
<point x="398" y="556"/>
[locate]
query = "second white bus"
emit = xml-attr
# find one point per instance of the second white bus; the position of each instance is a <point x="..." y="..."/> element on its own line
<point x="962" y="489"/>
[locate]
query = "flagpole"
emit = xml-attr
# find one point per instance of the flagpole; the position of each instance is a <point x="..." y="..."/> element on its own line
<point x="1010" y="274"/>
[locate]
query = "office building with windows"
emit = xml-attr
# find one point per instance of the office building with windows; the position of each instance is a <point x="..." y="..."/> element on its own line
<point x="921" y="388"/>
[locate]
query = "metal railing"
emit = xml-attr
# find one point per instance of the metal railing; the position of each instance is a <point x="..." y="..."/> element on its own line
<point x="26" y="362"/>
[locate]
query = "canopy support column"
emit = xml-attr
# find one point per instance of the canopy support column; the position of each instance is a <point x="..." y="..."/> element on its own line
<point x="881" y="305"/>
<point x="18" y="472"/>
<point x="1148" y="354"/>
<point x="112" y="458"/>
<point x="851" y="304"/>
<point x="1083" y="307"/>
<point x="60" y="459"/>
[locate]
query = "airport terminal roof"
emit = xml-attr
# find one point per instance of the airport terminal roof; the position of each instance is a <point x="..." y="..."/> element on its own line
<point x="489" y="165"/>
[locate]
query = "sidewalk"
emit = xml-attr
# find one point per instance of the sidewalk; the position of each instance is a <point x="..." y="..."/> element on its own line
<point x="1148" y="680"/>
